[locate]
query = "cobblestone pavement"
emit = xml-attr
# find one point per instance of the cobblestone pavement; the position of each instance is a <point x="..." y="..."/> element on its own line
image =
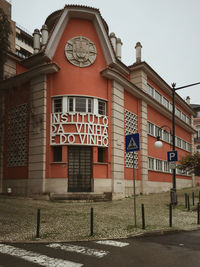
<point x="69" y="221"/>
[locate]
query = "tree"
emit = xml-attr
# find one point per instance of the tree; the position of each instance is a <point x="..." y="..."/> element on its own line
<point x="191" y="163"/>
<point x="5" y="31"/>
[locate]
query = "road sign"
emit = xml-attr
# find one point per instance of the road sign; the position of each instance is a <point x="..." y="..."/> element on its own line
<point x="172" y="164"/>
<point x="132" y="142"/>
<point x="172" y="156"/>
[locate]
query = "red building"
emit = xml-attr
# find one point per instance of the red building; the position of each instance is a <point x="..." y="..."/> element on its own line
<point x="67" y="110"/>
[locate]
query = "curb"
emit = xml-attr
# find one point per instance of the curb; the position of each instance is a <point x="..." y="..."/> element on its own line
<point x="139" y="235"/>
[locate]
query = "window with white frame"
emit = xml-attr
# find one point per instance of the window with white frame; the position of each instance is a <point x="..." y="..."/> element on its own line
<point x="170" y="106"/>
<point x="158" y="165"/>
<point x="178" y="112"/>
<point x="150" y="128"/>
<point x="102" y="107"/>
<point x="158" y="96"/>
<point x="158" y="131"/>
<point x="166" y="166"/>
<point x="183" y="145"/>
<point x="151" y="163"/>
<point x="150" y="90"/>
<point x="166" y="136"/>
<point x="188" y="147"/>
<point x="80" y="104"/>
<point x="183" y="117"/>
<point x="188" y="120"/>
<point x="57" y="104"/>
<point x="198" y="131"/>
<point x="198" y="148"/>
<point x="178" y="142"/>
<point x="166" y="102"/>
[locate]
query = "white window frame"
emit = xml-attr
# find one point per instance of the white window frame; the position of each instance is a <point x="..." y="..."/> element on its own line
<point x="165" y="102"/>
<point x="151" y="128"/>
<point x="159" y="165"/>
<point x="151" y="164"/>
<point x="53" y="104"/>
<point x="158" y="96"/>
<point x="150" y="90"/>
<point x="105" y="106"/>
<point x="74" y="98"/>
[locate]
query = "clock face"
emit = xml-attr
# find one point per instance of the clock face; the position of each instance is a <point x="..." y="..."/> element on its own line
<point x="80" y="51"/>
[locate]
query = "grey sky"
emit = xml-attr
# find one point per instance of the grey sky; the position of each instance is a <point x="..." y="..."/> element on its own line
<point x="169" y="32"/>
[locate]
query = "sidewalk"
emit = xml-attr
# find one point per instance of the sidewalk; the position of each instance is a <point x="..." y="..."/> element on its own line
<point x="68" y="221"/>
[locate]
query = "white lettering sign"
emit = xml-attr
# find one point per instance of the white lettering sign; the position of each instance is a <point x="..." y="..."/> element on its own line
<point x="79" y="128"/>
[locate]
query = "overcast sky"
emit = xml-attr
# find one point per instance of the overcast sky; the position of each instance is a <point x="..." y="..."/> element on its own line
<point x="169" y="31"/>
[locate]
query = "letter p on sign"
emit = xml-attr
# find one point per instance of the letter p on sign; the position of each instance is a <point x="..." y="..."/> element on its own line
<point x="172" y="156"/>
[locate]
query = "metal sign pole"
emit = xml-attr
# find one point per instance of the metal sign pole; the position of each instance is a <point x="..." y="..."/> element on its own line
<point x="134" y="195"/>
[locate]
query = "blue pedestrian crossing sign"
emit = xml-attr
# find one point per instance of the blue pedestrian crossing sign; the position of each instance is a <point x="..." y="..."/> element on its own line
<point x="132" y="142"/>
<point x="172" y="156"/>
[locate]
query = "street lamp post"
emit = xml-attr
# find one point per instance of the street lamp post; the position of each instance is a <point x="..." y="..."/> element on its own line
<point x="173" y="191"/>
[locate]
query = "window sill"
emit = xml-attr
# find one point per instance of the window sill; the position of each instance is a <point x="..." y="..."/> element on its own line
<point x="100" y="163"/>
<point x="58" y="162"/>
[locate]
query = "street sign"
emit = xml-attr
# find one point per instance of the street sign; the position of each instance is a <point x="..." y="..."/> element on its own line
<point x="172" y="156"/>
<point x="172" y="164"/>
<point x="132" y="142"/>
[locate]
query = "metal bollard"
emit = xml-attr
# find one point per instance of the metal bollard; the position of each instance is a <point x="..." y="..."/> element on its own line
<point x="143" y="217"/>
<point x="91" y="222"/>
<point x="170" y="215"/>
<point x="38" y="224"/>
<point x="198" y="213"/>
<point x="193" y="198"/>
<point x="188" y="202"/>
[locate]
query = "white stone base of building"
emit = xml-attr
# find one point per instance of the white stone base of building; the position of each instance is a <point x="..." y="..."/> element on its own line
<point x="119" y="189"/>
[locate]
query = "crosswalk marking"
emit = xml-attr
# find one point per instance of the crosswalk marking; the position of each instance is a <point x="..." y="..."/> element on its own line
<point x="112" y="243"/>
<point x="34" y="257"/>
<point x="80" y="249"/>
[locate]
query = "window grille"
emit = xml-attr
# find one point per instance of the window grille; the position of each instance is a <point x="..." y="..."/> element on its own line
<point x="17" y="136"/>
<point x="131" y="121"/>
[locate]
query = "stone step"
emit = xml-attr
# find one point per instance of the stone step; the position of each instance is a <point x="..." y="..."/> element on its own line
<point x="106" y="196"/>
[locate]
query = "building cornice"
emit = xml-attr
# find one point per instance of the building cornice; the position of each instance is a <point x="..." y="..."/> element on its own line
<point x="26" y="76"/>
<point x="136" y="91"/>
<point x="155" y="77"/>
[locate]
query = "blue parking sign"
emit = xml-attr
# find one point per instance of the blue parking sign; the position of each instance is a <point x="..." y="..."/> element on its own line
<point x="172" y="156"/>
